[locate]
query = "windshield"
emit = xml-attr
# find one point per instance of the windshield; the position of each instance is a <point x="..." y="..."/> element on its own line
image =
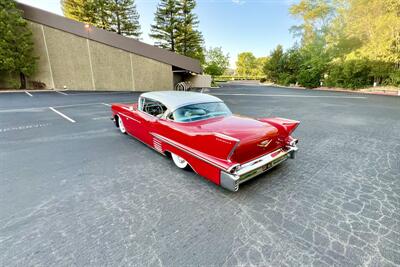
<point x="201" y="111"/>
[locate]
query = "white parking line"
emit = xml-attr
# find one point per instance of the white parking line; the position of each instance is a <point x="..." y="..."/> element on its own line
<point x="102" y="93"/>
<point x="61" y="92"/>
<point x="62" y="115"/>
<point x="24" y="127"/>
<point x="299" y="96"/>
<point x="105" y="104"/>
<point x="60" y="106"/>
<point x="102" y="118"/>
<point x="26" y="92"/>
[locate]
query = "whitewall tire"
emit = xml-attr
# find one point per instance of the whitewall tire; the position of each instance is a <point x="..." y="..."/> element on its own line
<point x="121" y="125"/>
<point x="179" y="162"/>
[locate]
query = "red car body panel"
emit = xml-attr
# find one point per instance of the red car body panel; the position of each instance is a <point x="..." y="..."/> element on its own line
<point x="210" y="146"/>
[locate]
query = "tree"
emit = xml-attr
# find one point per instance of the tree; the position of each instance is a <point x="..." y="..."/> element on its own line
<point x="273" y="67"/>
<point x="216" y="61"/>
<point x="83" y="11"/>
<point x="16" y="45"/>
<point x="246" y="64"/>
<point x="260" y="63"/>
<point x="316" y="16"/>
<point x="376" y="24"/>
<point x="189" y="39"/>
<point x="119" y="16"/>
<point x="165" y="27"/>
<point x="125" y="18"/>
<point x="346" y="43"/>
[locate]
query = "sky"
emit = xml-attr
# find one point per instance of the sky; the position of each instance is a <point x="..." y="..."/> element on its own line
<point x="237" y="26"/>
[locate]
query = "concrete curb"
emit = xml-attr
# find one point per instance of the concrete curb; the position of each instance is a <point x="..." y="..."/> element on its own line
<point x="333" y="90"/>
<point x="28" y="90"/>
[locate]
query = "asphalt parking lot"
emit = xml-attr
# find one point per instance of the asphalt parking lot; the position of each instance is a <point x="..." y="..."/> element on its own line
<point x="74" y="191"/>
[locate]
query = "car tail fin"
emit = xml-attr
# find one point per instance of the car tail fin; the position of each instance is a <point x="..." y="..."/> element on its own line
<point x="288" y="125"/>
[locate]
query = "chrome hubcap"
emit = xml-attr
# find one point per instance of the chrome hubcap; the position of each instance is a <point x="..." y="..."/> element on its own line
<point x="121" y="125"/>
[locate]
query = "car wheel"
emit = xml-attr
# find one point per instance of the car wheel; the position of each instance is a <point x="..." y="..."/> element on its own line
<point x="121" y="125"/>
<point x="179" y="162"/>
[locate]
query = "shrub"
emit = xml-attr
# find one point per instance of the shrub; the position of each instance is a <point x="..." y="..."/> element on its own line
<point x="351" y="74"/>
<point x="309" y="78"/>
<point x="263" y="80"/>
<point x="394" y="78"/>
<point x="38" y="85"/>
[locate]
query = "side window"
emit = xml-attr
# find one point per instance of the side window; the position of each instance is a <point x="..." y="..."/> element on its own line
<point x="153" y="107"/>
<point x="141" y="103"/>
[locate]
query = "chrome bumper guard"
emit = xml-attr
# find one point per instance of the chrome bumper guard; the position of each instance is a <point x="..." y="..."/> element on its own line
<point x="247" y="171"/>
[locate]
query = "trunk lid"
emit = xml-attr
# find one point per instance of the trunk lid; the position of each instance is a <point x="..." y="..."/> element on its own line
<point x="256" y="138"/>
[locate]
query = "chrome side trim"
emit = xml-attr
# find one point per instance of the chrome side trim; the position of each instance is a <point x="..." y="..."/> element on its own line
<point x="129" y="117"/>
<point x="233" y="150"/>
<point x="161" y="152"/>
<point x="179" y="146"/>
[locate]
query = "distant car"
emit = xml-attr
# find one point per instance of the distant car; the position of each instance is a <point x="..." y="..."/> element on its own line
<point x="199" y="131"/>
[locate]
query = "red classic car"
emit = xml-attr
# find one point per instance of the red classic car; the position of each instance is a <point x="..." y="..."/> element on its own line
<point x="199" y="131"/>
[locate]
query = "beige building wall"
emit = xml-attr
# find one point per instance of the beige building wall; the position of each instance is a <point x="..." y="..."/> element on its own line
<point x="43" y="71"/>
<point x="200" y="81"/>
<point x="151" y="75"/>
<point x="69" y="60"/>
<point x="80" y="64"/>
<point x="111" y="67"/>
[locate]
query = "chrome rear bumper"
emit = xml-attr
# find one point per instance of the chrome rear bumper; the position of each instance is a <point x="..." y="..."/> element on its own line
<point x="247" y="171"/>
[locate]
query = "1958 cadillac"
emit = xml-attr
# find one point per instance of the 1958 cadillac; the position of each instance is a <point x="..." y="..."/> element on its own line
<point x="199" y="131"/>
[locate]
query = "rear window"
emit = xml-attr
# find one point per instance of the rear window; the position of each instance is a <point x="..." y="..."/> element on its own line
<point x="196" y="112"/>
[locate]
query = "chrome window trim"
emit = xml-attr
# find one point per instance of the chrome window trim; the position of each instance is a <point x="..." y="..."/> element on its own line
<point x="140" y="107"/>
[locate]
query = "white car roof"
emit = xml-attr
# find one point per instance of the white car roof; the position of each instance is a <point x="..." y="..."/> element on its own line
<point x="176" y="99"/>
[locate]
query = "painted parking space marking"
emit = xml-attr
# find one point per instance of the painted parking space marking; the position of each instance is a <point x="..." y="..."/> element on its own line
<point x="298" y="96"/>
<point x="101" y="118"/>
<point x="101" y="93"/>
<point x="62" y="115"/>
<point x="105" y="104"/>
<point x="26" y="92"/>
<point x="59" y="106"/>
<point x="24" y="127"/>
<point x="61" y="92"/>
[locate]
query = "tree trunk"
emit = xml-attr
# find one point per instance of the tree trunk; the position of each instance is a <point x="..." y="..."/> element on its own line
<point x="22" y="79"/>
<point x="119" y="24"/>
<point x="172" y="35"/>
<point x="118" y="17"/>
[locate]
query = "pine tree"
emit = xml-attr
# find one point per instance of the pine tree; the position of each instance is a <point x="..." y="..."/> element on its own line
<point x="101" y="10"/>
<point x="125" y="18"/>
<point x="165" y="26"/>
<point x="80" y="10"/>
<point x="189" y="39"/>
<point x="16" y="45"/>
<point x="119" y="16"/>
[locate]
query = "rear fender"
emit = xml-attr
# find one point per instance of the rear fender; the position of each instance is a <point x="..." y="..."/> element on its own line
<point x="286" y="125"/>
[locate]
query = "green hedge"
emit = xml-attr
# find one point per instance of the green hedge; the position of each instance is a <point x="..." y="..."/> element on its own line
<point x="224" y="78"/>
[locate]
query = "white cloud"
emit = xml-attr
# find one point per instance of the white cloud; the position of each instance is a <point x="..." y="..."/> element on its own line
<point x="238" y="2"/>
